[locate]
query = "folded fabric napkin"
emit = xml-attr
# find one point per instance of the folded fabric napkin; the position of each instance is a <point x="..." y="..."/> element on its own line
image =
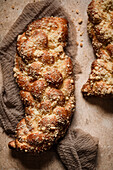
<point x="78" y="150"/>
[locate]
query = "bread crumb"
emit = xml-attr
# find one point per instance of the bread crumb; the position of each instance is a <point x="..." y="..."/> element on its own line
<point x="77" y="11"/>
<point x="81" y="45"/>
<point x="77" y="43"/>
<point x="81" y="40"/>
<point x="6" y="16"/>
<point x="81" y="33"/>
<point x="12" y="7"/>
<point x="78" y="29"/>
<point x="80" y="21"/>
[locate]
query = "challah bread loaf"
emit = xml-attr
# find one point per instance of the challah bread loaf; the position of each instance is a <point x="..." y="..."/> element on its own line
<point x="44" y="74"/>
<point x="100" y="29"/>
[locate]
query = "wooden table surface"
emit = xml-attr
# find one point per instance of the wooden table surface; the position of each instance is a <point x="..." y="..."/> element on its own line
<point x="94" y="116"/>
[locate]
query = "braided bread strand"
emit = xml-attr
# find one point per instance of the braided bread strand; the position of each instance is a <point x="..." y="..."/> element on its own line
<point x="100" y="29"/>
<point x="44" y="74"/>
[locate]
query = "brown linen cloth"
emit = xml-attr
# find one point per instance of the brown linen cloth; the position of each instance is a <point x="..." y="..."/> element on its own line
<point x="78" y="150"/>
<point x="10" y="103"/>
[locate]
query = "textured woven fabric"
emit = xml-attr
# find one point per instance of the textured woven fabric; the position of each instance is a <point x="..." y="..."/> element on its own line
<point x="78" y="151"/>
<point x="10" y="103"/>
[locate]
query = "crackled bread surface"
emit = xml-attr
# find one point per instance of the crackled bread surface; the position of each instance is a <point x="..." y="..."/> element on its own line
<point x="100" y="29"/>
<point x="44" y="74"/>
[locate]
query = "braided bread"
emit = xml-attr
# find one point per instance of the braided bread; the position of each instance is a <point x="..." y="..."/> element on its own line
<point x="44" y="74"/>
<point x="100" y="29"/>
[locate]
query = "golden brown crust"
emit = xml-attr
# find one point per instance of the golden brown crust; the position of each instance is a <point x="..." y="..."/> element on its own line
<point x="100" y="29"/>
<point x="44" y="74"/>
<point x="42" y="35"/>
